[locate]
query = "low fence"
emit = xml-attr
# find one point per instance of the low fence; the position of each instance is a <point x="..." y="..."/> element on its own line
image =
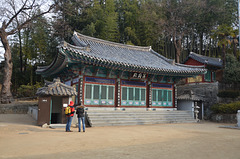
<point x="238" y="118"/>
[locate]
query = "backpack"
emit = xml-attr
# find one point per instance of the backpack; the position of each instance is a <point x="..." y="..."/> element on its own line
<point x="68" y="110"/>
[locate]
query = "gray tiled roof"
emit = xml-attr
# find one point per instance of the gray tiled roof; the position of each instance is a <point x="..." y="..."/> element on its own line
<point x="206" y="60"/>
<point x="129" y="55"/>
<point x="57" y="89"/>
<point x="116" y="56"/>
<point x="189" y="95"/>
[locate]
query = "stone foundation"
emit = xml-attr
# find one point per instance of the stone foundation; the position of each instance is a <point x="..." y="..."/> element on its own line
<point x="224" y="118"/>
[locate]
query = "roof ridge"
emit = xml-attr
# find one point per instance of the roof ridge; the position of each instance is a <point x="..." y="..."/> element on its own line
<point x="66" y="44"/>
<point x="199" y="55"/>
<point x="139" y="66"/>
<point x="191" y="66"/>
<point x="170" y="61"/>
<point x="142" y="48"/>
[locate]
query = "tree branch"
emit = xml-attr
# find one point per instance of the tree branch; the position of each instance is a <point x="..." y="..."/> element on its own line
<point x="13" y="31"/>
<point x="14" y="16"/>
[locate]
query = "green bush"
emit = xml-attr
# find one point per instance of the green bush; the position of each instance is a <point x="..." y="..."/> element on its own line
<point x="232" y="69"/>
<point x="28" y="90"/>
<point x="231" y="108"/>
<point x="228" y="94"/>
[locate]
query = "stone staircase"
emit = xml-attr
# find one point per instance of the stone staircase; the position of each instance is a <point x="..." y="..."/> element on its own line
<point x="137" y="117"/>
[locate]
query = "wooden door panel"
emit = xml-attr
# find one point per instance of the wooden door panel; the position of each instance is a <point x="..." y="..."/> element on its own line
<point x="44" y="110"/>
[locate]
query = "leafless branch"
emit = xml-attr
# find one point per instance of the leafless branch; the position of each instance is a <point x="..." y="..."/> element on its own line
<point x="13" y="31"/>
<point x="17" y="13"/>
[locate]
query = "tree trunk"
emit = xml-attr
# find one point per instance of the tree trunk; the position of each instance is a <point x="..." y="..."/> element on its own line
<point x="201" y="44"/>
<point x="223" y="55"/>
<point x="21" y="54"/>
<point x="6" y="95"/>
<point x="234" y="47"/>
<point x="178" y="54"/>
<point x="178" y="48"/>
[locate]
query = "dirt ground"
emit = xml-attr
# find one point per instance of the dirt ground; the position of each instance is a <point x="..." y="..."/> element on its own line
<point x="20" y="138"/>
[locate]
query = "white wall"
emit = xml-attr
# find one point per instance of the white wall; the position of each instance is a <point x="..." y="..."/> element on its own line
<point x="185" y="105"/>
<point x="33" y="112"/>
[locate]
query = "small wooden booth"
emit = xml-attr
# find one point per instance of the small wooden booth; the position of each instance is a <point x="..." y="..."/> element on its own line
<point x="53" y="98"/>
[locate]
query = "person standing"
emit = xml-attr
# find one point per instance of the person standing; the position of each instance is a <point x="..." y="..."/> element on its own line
<point x="70" y="116"/>
<point x="81" y="118"/>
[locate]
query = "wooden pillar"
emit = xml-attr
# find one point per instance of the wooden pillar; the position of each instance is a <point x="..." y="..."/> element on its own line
<point x="80" y="90"/>
<point x="118" y="93"/>
<point x="175" y="96"/>
<point x="148" y="94"/>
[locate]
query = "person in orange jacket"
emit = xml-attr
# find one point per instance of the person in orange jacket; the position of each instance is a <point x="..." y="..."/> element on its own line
<point x="70" y="117"/>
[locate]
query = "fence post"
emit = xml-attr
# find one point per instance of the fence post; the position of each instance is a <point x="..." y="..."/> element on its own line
<point x="238" y="118"/>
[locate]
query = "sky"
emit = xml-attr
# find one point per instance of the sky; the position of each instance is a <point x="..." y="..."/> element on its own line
<point x="44" y="7"/>
<point x="1" y="53"/>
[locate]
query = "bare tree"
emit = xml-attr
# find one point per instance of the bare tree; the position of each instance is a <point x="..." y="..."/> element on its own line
<point x="14" y="16"/>
<point x="175" y="24"/>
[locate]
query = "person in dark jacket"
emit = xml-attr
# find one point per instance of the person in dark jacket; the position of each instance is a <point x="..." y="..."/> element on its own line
<point x="70" y="117"/>
<point x="81" y="117"/>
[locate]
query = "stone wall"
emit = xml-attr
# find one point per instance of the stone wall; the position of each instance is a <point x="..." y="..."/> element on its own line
<point x="207" y="91"/>
<point x="17" y="107"/>
<point x="224" y="118"/>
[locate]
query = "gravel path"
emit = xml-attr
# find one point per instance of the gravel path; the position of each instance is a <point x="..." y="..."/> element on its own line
<point x="20" y="138"/>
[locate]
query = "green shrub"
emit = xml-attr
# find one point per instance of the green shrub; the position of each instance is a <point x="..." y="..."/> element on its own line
<point x="231" y="108"/>
<point x="228" y="94"/>
<point x="232" y="69"/>
<point x="28" y="90"/>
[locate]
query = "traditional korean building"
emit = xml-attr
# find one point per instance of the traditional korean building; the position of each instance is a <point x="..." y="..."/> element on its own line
<point x="213" y="66"/>
<point x="108" y="74"/>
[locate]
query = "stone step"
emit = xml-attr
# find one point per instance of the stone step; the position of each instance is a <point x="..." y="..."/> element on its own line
<point x="140" y="115"/>
<point x="141" y="122"/>
<point x="97" y="114"/>
<point x="111" y="118"/>
<point x="141" y="119"/>
<point x="174" y="111"/>
<point x="138" y="119"/>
